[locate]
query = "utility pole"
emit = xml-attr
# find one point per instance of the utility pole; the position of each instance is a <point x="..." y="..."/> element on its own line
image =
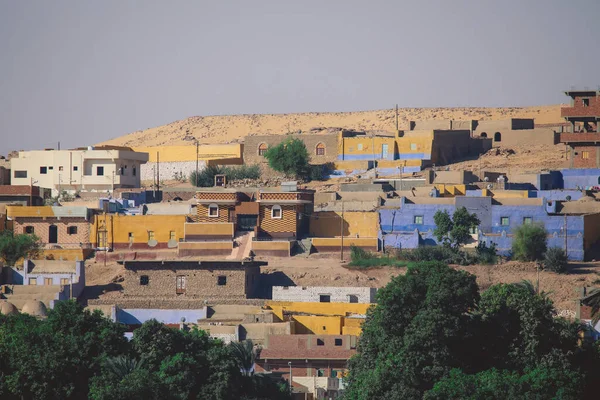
<point x="342" y="233"/>
<point x="397" y="119"/>
<point x="31" y="191"/>
<point x="566" y="248"/>
<point x="291" y="389"/>
<point x="157" y="171"/>
<point x="196" y="179"/>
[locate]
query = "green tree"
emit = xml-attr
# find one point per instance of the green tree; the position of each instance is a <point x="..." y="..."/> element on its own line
<point x="455" y="230"/>
<point x="529" y="242"/>
<point x="14" y="247"/>
<point x="289" y="157"/>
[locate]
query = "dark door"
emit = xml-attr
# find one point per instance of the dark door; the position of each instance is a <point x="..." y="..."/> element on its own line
<point x="246" y="222"/>
<point x="180" y="284"/>
<point x="53" y="234"/>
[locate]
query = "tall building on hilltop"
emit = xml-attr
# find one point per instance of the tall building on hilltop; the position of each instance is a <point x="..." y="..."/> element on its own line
<point x="584" y="136"/>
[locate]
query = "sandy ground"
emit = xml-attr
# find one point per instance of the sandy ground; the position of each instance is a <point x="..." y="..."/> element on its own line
<point x="233" y="128"/>
<point x="317" y="270"/>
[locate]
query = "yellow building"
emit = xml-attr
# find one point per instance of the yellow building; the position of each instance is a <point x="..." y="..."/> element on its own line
<point x="116" y="231"/>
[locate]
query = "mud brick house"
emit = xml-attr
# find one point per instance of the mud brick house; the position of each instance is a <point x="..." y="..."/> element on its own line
<point x="322" y="148"/>
<point x="317" y="357"/>
<point x="191" y="279"/>
<point x="24" y="195"/>
<point x="57" y="227"/>
<point x="584" y="138"/>
<point x="268" y="219"/>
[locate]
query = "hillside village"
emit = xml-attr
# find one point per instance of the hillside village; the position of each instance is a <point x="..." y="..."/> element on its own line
<point x="269" y="259"/>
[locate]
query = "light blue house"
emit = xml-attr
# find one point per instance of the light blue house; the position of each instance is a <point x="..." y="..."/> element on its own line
<point x="408" y="222"/>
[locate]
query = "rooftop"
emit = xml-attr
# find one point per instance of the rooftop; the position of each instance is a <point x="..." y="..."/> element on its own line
<point x="178" y="264"/>
<point x="52" y="267"/>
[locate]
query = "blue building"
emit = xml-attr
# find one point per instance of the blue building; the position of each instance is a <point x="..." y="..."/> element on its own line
<point x="408" y="222"/>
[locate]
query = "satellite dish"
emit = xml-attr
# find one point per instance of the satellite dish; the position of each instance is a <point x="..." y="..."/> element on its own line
<point x="486" y="179"/>
<point x="489" y="187"/>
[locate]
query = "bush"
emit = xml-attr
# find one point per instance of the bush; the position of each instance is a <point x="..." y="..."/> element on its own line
<point x="316" y="172"/>
<point x="555" y="260"/>
<point x="431" y="253"/>
<point x="289" y="157"/>
<point x="15" y="247"/>
<point x="485" y="254"/>
<point x="206" y="177"/>
<point x="363" y="259"/>
<point x="529" y="242"/>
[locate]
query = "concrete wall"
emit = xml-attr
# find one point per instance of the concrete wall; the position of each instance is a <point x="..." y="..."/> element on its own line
<point x="339" y="309"/>
<point x="41" y="228"/>
<point x="355" y="224"/>
<point x="582" y="178"/>
<point x="170" y="170"/>
<point x="313" y="293"/>
<point x="135" y="316"/>
<point x="272" y="248"/>
<point x="328" y="245"/>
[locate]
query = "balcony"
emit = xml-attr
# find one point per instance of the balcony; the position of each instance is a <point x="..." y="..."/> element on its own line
<point x="581" y="137"/>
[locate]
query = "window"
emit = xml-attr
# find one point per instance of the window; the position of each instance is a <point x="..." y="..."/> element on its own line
<point x="131" y="237"/>
<point x="352" y="298"/>
<point x="50" y="168"/>
<point x="324" y="298"/>
<point x="473" y="230"/>
<point x="504" y="221"/>
<point x="64" y="281"/>
<point x="497" y="137"/>
<point x="144" y="280"/>
<point x="75" y="168"/>
<point x="320" y="149"/>
<point x="262" y="149"/>
<point x="276" y="212"/>
<point x="33" y="281"/>
<point x="29" y="229"/>
<point x="134" y="171"/>
<point x="221" y="280"/>
<point x="60" y="168"/>
<point x="72" y="230"/>
<point x="585" y="155"/>
<point x="213" y="210"/>
<point x="48" y="282"/>
<point x="43" y="170"/>
<point x="413" y="146"/>
<point x="483" y="134"/>
<point x="527" y="220"/>
<point x="100" y="171"/>
<point x="359" y="147"/>
<point x="586" y="102"/>
<point x="180" y="284"/>
<point x="150" y="235"/>
<point x="320" y="342"/>
<point x="20" y="174"/>
<point x="418" y="220"/>
<point x="171" y="235"/>
<point x="338" y="342"/>
<point x="122" y="170"/>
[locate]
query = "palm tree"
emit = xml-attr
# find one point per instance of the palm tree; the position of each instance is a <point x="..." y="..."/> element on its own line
<point x="244" y="354"/>
<point x="531" y="288"/>
<point x="121" y="366"/>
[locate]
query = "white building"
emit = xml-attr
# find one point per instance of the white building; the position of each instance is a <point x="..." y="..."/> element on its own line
<point x="324" y="294"/>
<point x="91" y="169"/>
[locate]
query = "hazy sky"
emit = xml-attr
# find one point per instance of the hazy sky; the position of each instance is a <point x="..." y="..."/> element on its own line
<point x="81" y="72"/>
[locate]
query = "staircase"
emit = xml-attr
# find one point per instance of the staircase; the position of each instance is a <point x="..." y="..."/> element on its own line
<point x="304" y="247"/>
<point x="18" y="295"/>
<point x="242" y="247"/>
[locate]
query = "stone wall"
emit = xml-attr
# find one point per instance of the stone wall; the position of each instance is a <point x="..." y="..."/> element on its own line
<point x="251" y="144"/>
<point x="200" y="282"/>
<point x="168" y="170"/>
<point x="41" y="229"/>
<point x="312" y="294"/>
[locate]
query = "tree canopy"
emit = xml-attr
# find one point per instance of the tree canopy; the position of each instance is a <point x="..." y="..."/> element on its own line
<point x="75" y="354"/>
<point x="433" y="336"/>
<point x="529" y="242"/>
<point x="289" y="157"/>
<point x="456" y="230"/>
<point x="14" y="247"/>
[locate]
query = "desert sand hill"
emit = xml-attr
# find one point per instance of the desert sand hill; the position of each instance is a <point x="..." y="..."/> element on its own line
<point x="231" y="128"/>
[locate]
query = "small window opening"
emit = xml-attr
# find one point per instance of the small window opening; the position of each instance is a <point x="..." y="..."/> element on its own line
<point x="144" y="280"/>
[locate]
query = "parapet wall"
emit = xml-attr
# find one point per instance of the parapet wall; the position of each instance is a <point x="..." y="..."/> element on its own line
<point x="314" y="293"/>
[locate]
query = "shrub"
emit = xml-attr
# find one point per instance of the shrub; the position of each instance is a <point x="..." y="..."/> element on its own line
<point x="529" y="242"/>
<point x="555" y="260"/>
<point x="363" y="259"/>
<point x="431" y="253"/>
<point x="316" y="172"/>
<point x="13" y="247"/>
<point x="485" y="254"/>
<point x="206" y="177"/>
<point x="289" y="157"/>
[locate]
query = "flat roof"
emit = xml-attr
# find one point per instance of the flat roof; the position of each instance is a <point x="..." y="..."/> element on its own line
<point x="192" y="264"/>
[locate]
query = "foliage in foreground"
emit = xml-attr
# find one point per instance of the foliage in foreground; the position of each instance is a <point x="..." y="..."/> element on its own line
<point x="433" y="336"/>
<point x="529" y="242"/>
<point x="75" y="354"/>
<point x="14" y="247"/>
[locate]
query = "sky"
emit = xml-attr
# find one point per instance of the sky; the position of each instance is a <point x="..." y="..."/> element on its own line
<point x="82" y="71"/>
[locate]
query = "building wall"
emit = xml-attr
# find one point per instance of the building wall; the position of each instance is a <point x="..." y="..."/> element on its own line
<point x="135" y="316"/>
<point x="169" y="170"/>
<point x="226" y="213"/>
<point x="591" y="231"/>
<point x="328" y="245"/>
<point x="280" y="248"/>
<point x="77" y="169"/>
<point x="41" y="228"/>
<point x="119" y="227"/>
<point x="582" y="178"/>
<point x="251" y="144"/>
<point x="355" y="224"/>
<point x="578" y="110"/>
<point x="312" y="294"/>
<point x="330" y="309"/>
<point x="209" y="231"/>
<point x="583" y="156"/>
<point x="206" y="248"/>
<point x="200" y="282"/>
<point x="317" y="325"/>
<point x="278" y="227"/>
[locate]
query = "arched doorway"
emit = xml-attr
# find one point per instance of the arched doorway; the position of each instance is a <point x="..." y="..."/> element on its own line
<point x="53" y="234"/>
<point x="497" y="137"/>
<point x="262" y="149"/>
<point x="483" y="134"/>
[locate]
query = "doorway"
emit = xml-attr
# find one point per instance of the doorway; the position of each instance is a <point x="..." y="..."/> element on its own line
<point x="180" y="284"/>
<point x="246" y="222"/>
<point x="53" y="234"/>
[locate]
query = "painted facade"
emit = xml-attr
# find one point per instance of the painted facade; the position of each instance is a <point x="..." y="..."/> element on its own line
<point x="324" y="294"/>
<point x="91" y="169"/>
<point x="411" y="224"/>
